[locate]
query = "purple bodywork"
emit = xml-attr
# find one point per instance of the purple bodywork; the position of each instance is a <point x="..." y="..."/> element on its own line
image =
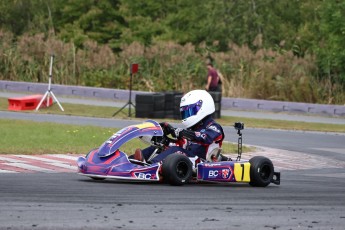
<point x="108" y="161"/>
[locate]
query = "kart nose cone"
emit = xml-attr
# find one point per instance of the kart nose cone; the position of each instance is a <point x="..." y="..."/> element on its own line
<point x="81" y="164"/>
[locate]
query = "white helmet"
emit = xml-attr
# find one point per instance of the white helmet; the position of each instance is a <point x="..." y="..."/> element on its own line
<point x="194" y="106"/>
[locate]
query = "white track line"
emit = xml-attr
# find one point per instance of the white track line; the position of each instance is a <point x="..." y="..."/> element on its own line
<point x="74" y="158"/>
<point x="39" y="158"/>
<point x="32" y="163"/>
<point x="61" y="165"/>
<point x="11" y="160"/>
<point x="6" y="171"/>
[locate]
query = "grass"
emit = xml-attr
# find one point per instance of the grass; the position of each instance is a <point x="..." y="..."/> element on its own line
<point x="107" y="112"/>
<point x="73" y="109"/>
<point x="287" y="125"/>
<point x="28" y="137"/>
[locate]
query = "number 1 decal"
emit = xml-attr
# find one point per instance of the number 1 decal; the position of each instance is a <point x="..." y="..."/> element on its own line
<point x="242" y="172"/>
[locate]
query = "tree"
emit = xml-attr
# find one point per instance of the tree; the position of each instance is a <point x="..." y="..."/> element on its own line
<point x="143" y="20"/>
<point x="78" y="20"/>
<point x="19" y="16"/>
<point x="330" y="46"/>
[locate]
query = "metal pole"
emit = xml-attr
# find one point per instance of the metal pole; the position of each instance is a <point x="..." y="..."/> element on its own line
<point x="49" y="91"/>
<point x="130" y="95"/>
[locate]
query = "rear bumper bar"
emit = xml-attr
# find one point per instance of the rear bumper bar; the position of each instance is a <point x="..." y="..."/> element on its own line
<point x="276" y="178"/>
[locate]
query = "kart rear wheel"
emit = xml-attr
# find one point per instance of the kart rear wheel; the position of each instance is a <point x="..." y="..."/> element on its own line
<point x="177" y="169"/>
<point x="261" y="171"/>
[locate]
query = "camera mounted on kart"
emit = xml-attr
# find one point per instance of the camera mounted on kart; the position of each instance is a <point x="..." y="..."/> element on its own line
<point x="239" y="125"/>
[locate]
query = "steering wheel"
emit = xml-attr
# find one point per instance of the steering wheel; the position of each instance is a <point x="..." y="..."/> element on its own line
<point x="162" y="140"/>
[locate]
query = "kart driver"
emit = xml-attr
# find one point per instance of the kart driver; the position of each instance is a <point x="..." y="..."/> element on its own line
<point x="201" y="134"/>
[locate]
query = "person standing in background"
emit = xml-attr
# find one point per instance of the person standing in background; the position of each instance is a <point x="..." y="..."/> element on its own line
<point x="212" y="78"/>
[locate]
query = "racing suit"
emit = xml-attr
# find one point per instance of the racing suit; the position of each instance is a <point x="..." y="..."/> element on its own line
<point x="195" y="141"/>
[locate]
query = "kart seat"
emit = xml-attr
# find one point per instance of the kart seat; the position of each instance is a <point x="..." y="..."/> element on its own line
<point x="214" y="155"/>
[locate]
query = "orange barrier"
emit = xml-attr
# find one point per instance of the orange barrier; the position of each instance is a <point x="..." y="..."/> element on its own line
<point x="27" y="102"/>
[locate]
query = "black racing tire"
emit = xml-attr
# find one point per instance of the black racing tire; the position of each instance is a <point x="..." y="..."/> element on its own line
<point x="158" y="114"/>
<point x="155" y="101"/>
<point x="170" y="100"/>
<point x="144" y="108"/>
<point x="159" y="101"/>
<point x="97" y="178"/>
<point x="177" y="169"/>
<point x="216" y="115"/>
<point x="144" y="98"/>
<point x="169" y="114"/>
<point x="261" y="171"/>
<point x="217" y="106"/>
<point x="217" y="96"/>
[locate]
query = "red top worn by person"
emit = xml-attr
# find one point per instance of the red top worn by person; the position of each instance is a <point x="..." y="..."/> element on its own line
<point x="212" y="78"/>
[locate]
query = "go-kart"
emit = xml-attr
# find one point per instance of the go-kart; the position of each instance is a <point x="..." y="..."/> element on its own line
<point x="109" y="162"/>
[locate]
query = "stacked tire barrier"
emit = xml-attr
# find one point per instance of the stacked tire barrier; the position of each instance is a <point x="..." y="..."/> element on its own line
<point x="217" y="97"/>
<point x="158" y="105"/>
<point x="150" y="105"/>
<point x="177" y="113"/>
<point x="172" y="104"/>
<point x="167" y="105"/>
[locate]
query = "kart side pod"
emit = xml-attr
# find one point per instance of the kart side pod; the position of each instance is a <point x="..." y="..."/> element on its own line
<point x="258" y="172"/>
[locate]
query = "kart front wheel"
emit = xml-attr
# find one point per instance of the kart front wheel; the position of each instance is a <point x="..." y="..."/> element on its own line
<point x="177" y="169"/>
<point x="261" y="171"/>
<point x="97" y="178"/>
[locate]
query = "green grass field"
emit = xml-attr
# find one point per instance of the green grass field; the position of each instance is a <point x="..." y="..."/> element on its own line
<point x="28" y="137"/>
<point x="107" y="112"/>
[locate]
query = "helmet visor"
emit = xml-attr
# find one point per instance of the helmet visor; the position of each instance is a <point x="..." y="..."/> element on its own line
<point x="190" y="110"/>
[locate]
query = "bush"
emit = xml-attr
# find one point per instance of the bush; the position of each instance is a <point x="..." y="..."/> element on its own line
<point x="165" y="66"/>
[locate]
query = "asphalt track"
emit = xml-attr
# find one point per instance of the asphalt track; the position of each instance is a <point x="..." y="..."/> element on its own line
<point x="310" y="197"/>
